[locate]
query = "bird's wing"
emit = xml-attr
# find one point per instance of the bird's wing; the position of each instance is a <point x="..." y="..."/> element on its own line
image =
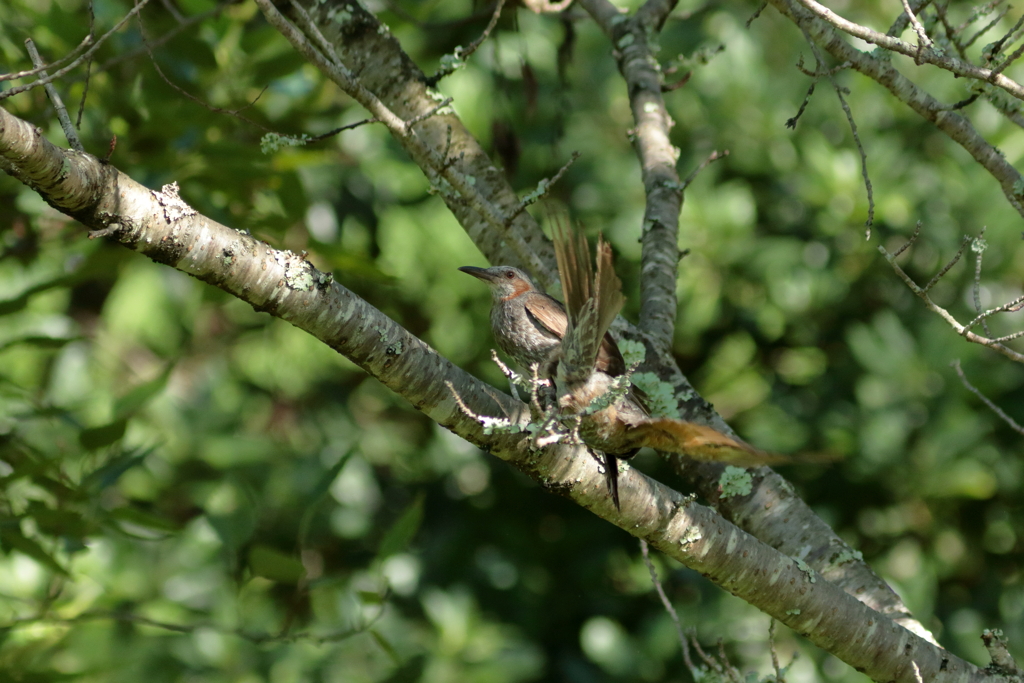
<point x="546" y="314"/>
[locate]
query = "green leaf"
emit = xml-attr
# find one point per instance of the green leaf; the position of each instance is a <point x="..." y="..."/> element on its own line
<point x="385" y="645"/>
<point x="11" y="538"/>
<point x="57" y="522"/>
<point x="109" y="473"/>
<point x="133" y="515"/>
<point x="93" y="438"/>
<point x="318" y="492"/>
<point x="370" y="597"/>
<point x="17" y="303"/>
<point x="272" y="564"/>
<point x="38" y="341"/>
<point x="139" y="396"/>
<point x="401" y="534"/>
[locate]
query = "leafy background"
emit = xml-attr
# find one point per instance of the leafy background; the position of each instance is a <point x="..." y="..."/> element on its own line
<point x="190" y="490"/>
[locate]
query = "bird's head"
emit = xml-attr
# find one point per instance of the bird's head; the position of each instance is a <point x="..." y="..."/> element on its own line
<point x="505" y="282"/>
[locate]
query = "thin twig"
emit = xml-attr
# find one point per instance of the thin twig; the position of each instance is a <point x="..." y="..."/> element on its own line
<point x="88" y="65"/>
<point x="427" y="114"/>
<point x="207" y="105"/>
<point x="984" y="399"/>
<point x="462" y="54"/>
<point x="164" y="39"/>
<point x="942" y="60"/>
<point x="792" y="121"/>
<point x="757" y="13"/>
<point x="952" y="262"/>
<point x="58" y="104"/>
<point x="910" y="242"/>
<point x="945" y="315"/>
<point x="922" y="37"/>
<point x="995" y="48"/>
<point x="779" y="677"/>
<point x="982" y="317"/>
<point x="43" y="80"/>
<point x="543" y="188"/>
<point x="853" y="130"/>
<point x="683" y="644"/>
<point x="978" y="247"/>
<point x="986" y="28"/>
<point x="951" y="34"/>
<point x="129" y="617"/>
<point x="709" y="159"/>
<point x="331" y="133"/>
<point x="55" y="64"/>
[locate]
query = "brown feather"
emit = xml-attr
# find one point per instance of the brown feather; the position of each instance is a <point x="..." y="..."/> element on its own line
<point x="700" y="442"/>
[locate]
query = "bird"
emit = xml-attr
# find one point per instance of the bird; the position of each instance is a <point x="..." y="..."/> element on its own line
<point x="571" y="345"/>
<point x="529" y="325"/>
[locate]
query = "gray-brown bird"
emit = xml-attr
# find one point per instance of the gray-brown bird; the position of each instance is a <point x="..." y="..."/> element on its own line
<point x="575" y="350"/>
<point x="529" y="326"/>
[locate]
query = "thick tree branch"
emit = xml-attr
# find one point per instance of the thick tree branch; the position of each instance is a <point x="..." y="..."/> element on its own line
<point x="163" y="227"/>
<point x="367" y="48"/>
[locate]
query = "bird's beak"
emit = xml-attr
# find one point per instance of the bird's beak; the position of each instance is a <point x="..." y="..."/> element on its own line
<point x="480" y="273"/>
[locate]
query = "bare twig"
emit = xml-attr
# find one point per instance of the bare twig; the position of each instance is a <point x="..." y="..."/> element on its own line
<point x="922" y="37"/>
<point x="820" y="69"/>
<point x="986" y="400"/>
<point x="55" y="64"/>
<point x="165" y="38"/>
<point x="952" y="262"/>
<point x="88" y="65"/>
<point x="461" y="54"/>
<point x="259" y="638"/>
<point x="779" y="677"/>
<point x="985" y="29"/>
<point x="978" y="247"/>
<point x="925" y="56"/>
<point x="543" y="187"/>
<point x="709" y="159"/>
<point x="43" y="80"/>
<point x="58" y="104"/>
<point x="962" y="330"/>
<point x="995" y="48"/>
<point x="958" y="128"/>
<point x="331" y="133"/>
<point x="910" y="242"/>
<point x="667" y="604"/>
<point x="756" y="14"/>
<point x="219" y="110"/>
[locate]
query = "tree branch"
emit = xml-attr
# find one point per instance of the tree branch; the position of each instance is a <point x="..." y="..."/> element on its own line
<point x="163" y="227"/>
<point x="921" y="54"/>
<point x="660" y="234"/>
<point x="367" y="48"/>
<point x="952" y="124"/>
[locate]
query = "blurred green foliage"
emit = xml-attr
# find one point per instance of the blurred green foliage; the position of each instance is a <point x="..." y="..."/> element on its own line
<point x="190" y="490"/>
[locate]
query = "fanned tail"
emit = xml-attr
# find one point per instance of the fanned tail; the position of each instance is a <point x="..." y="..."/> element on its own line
<point x="591" y="304"/>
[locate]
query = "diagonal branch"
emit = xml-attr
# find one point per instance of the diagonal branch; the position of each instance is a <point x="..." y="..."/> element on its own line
<point x="922" y="54"/>
<point x="163" y="227"/>
<point x="771" y="512"/>
<point x="958" y="128"/>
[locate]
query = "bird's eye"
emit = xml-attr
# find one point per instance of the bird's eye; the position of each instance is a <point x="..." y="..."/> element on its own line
<point x="510" y="274"/>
